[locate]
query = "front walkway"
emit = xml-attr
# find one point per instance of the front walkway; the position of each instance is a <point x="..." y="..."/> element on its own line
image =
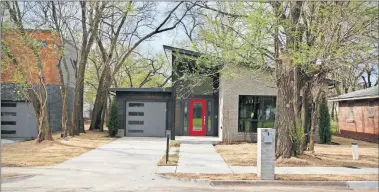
<point x="200" y="158"/>
<point x="203" y="158"/>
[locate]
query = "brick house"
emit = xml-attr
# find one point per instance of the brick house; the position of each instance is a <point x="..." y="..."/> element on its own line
<point x="358" y="114"/>
<point x="17" y="114"/>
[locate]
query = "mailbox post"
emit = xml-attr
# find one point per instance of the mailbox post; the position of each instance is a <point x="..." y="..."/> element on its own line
<point x="266" y="154"/>
<point x="168" y="132"/>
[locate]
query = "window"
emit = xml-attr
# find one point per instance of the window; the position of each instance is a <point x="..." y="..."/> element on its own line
<point x="8" y="113"/>
<point x="209" y="117"/>
<point x="8" y="123"/>
<point x="197" y="120"/>
<point x="136" y="113"/>
<point x="185" y="121"/>
<point x="135" y="131"/>
<point x="136" y="104"/>
<point x="8" y="131"/>
<point x="256" y="112"/>
<point x="8" y="104"/>
<point x="350" y="115"/>
<point x="370" y="109"/>
<point x="135" y="122"/>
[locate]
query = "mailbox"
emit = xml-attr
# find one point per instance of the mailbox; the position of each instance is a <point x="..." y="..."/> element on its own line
<point x="267" y="137"/>
<point x="168" y="132"/>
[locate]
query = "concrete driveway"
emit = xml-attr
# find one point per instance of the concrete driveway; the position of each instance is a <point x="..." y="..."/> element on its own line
<point x="124" y="164"/>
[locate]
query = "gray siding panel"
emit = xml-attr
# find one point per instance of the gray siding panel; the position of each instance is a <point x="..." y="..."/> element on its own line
<point x="12" y="92"/>
<point x="26" y="123"/>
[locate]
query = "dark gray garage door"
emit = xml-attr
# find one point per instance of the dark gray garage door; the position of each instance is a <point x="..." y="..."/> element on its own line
<point x="145" y="119"/>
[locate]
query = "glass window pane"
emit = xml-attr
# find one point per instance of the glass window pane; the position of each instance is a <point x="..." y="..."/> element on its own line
<point x="8" y="123"/>
<point x="8" y="113"/>
<point x="197" y="116"/>
<point x="136" y="113"/>
<point x="136" y="104"/>
<point x="269" y="107"/>
<point x="185" y="120"/>
<point x="209" y="118"/>
<point x="247" y="126"/>
<point x="268" y="124"/>
<point x="256" y="112"/>
<point x="8" y="104"/>
<point x="135" y="122"/>
<point x="249" y="107"/>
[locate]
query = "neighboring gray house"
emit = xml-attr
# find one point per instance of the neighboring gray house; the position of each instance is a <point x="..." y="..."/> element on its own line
<point x="18" y="118"/>
<point x="226" y="103"/>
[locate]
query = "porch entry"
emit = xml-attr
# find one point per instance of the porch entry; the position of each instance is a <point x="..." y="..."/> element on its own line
<point x="197" y="117"/>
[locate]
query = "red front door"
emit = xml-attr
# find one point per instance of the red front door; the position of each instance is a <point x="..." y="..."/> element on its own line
<point x="197" y="113"/>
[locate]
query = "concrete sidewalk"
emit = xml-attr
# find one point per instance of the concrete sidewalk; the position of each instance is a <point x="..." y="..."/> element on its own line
<point x="200" y="158"/>
<point x="203" y="158"/>
<point x="278" y="170"/>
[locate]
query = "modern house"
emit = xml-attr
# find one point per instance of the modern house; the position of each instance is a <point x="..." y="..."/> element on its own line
<point x="205" y="100"/>
<point x="18" y="118"/>
<point x="358" y="114"/>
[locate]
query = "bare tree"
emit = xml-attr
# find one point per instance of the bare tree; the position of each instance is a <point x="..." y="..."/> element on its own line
<point x="131" y="42"/>
<point x="90" y="25"/>
<point x="38" y="96"/>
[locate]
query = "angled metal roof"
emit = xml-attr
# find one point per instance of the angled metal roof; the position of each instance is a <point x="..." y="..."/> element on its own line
<point x="181" y="51"/>
<point x="151" y="90"/>
<point x="369" y="93"/>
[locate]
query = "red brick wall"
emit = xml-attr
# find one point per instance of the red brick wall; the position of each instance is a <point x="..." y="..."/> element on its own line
<point x="26" y="59"/>
<point x="362" y="126"/>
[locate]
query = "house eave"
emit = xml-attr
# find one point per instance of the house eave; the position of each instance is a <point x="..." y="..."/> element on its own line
<point x="353" y="98"/>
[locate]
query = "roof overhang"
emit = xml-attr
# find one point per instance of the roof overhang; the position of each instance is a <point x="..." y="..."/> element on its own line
<point x="353" y="98"/>
<point x="140" y="90"/>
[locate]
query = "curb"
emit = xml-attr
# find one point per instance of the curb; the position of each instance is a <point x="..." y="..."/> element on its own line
<point x="363" y="184"/>
<point x="278" y="183"/>
<point x="198" y="181"/>
<point x="342" y="184"/>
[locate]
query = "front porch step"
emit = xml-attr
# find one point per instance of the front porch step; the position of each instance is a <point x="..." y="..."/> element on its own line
<point x="197" y="140"/>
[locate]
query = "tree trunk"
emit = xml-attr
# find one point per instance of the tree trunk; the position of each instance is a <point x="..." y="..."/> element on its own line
<point x="284" y="116"/>
<point x="77" y="115"/>
<point x="101" y="99"/>
<point x="103" y="115"/>
<point x="88" y="38"/>
<point x="64" y="88"/>
<point x="332" y="114"/>
<point x="313" y="127"/>
<point x="44" y="132"/>
<point x="315" y="109"/>
<point x="304" y="116"/>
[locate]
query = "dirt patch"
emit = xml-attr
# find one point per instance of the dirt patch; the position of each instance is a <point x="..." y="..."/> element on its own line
<point x="277" y="177"/>
<point x="175" y="144"/>
<point x="244" y="154"/>
<point x="46" y="153"/>
<point x="172" y="160"/>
